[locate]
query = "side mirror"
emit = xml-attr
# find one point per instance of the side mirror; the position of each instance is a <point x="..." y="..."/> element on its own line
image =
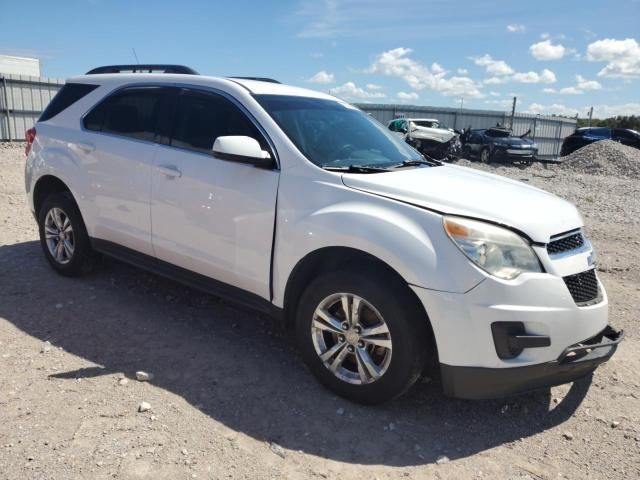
<point x="237" y="148"/>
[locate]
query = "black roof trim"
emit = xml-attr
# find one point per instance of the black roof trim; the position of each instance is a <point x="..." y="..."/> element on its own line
<point x="257" y="79"/>
<point x="143" y="68"/>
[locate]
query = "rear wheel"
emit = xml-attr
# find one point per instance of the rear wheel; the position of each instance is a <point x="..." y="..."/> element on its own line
<point x="362" y="335"/>
<point x="63" y="236"/>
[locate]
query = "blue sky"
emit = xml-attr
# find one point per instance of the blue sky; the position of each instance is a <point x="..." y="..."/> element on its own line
<point x="556" y="56"/>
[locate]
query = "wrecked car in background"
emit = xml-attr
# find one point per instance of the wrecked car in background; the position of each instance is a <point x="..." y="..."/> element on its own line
<point x="428" y="136"/>
<point x="498" y="144"/>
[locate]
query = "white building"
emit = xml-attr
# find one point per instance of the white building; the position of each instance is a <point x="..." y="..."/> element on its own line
<point x="20" y="65"/>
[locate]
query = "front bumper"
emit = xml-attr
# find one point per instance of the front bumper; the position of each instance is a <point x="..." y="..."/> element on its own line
<point x="575" y="362"/>
<point x="506" y="153"/>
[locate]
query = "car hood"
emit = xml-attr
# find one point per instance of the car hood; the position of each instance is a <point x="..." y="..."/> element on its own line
<point x="455" y="190"/>
<point x="437" y="134"/>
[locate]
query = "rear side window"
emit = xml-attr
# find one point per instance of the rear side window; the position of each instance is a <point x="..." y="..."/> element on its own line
<point x="130" y="113"/>
<point x="202" y="117"/>
<point x="69" y="94"/>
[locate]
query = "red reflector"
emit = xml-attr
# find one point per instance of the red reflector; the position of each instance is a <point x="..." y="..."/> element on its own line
<point x="30" y="137"/>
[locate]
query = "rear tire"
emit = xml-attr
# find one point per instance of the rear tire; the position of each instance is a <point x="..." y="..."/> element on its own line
<point x="372" y="366"/>
<point x="63" y="236"/>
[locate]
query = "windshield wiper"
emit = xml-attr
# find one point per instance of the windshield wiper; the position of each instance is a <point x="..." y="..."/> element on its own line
<point x="356" y="169"/>
<point x="418" y="162"/>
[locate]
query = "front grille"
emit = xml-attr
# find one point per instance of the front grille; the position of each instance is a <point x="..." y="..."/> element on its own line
<point x="583" y="287"/>
<point x="565" y="244"/>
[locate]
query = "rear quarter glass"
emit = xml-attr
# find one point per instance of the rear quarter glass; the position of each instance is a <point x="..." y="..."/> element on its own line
<point x="69" y="94"/>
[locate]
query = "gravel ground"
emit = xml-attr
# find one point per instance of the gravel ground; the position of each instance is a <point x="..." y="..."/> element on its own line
<point x="229" y="398"/>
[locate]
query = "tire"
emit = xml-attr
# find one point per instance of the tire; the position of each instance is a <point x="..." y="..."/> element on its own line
<point x="74" y="256"/>
<point x="485" y="155"/>
<point x="381" y="297"/>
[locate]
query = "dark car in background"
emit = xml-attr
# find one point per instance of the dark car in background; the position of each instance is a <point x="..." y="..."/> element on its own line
<point x="585" y="136"/>
<point x="498" y="144"/>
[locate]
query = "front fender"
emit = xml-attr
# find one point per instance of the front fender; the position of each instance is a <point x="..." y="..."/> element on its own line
<point x="408" y="239"/>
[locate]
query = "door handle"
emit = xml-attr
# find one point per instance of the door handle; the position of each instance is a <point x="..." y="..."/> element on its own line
<point x="86" y="147"/>
<point x="169" y="171"/>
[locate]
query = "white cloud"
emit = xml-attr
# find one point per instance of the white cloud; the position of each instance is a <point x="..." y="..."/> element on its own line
<point x="494" y="94"/>
<point x="373" y="86"/>
<point x="622" y="57"/>
<point x="350" y="91"/>
<point x="582" y="85"/>
<point x="546" y="76"/>
<point x="506" y="103"/>
<point x="407" y="96"/>
<point x="546" y="50"/>
<point x="599" y="111"/>
<point x="496" y="80"/>
<point x="419" y="76"/>
<point x="516" y="27"/>
<point x="462" y="71"/>
<point x="493" y="67"/>
<point x="571" y="91"/>
<point x="554" y="109"/>
<point x="501" y="72"/>
<point x="322" y="77"/>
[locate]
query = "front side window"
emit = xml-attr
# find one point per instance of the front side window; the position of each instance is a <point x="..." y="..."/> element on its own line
<point x="130" y="113"/>
<point x="334" y="134"/>
<point x="201" y="117"/>
<point x="597" y="133"/>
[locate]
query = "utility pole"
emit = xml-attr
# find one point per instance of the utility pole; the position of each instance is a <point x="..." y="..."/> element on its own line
<point x="513" y="112"/>
<point x="590" y="115"/>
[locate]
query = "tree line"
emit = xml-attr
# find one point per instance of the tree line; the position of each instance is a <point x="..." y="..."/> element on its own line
<point x="631" y="121"/>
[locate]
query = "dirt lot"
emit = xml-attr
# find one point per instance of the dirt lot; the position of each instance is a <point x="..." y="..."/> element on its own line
<point x="230" y="399"/>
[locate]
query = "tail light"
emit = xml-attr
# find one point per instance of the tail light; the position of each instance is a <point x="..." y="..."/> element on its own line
<point x="30" y="137"/>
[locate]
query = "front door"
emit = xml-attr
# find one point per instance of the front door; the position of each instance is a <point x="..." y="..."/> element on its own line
<point x="212" y="216"/>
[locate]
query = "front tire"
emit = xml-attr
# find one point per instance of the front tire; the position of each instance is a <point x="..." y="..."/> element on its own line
<point x="63" y="236"/>
<point x="362" y="334"/>
<point x="485" y="155"/>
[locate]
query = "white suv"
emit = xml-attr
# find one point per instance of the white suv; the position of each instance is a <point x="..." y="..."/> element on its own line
<point x="300" y="205"/>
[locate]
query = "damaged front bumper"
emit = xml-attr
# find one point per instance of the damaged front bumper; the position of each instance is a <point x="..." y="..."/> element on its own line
<point x="574" y="362"/>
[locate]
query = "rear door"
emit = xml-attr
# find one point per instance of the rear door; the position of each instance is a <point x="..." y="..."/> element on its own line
<point x="119" y="149"/>
<point x="211" y="216"/>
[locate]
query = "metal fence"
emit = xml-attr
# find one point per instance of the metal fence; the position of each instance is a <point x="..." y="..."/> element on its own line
<point x="547" y="131"/>
<point x="23" y="98"/>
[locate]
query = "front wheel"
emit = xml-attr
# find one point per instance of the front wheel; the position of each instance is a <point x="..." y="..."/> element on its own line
<point x="362" y="335"/>
<point x="485" y="155"/>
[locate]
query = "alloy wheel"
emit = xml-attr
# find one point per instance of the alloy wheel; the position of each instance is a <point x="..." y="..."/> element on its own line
<point x="351" y="338"/>
<point x="59" y="235"/>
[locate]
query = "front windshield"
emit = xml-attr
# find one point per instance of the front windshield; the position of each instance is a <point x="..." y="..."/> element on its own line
<point x="497" y="133"/>
<point x="335" y="134"/>
<point x="426" y="123"/>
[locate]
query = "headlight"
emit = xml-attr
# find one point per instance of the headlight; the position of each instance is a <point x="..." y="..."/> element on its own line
<point x="496" y="250"/>
<point x="534" y="145"/>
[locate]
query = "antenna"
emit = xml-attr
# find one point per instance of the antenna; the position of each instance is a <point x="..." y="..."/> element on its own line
<point x="135" y="55"/>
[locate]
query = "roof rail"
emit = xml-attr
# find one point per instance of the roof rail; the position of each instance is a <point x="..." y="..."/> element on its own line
<point x="144" y="68"/>
<point x="257" y="79"/>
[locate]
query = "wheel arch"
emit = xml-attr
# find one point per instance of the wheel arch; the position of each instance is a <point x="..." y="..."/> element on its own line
<point x="327" y="259"/>
<point x="45" y="186"/>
